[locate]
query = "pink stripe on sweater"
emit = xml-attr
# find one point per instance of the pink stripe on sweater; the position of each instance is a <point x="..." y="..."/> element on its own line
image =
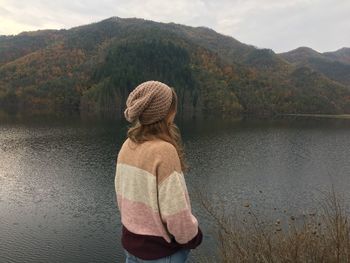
<point x="141" y="219"/>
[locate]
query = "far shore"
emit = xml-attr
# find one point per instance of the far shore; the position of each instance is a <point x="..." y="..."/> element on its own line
<point x="338" y="116"/>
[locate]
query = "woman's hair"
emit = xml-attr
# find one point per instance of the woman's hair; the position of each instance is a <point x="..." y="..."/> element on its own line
<point x="162" y="129"/>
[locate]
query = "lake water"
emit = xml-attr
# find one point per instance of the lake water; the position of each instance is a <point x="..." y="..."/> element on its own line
<point x="57" y="199"/>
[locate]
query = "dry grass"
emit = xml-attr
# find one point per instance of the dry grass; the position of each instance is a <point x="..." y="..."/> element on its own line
<point x="323" y="236"/>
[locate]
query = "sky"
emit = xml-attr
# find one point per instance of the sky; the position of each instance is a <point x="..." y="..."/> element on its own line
<point x="280" y="25"/>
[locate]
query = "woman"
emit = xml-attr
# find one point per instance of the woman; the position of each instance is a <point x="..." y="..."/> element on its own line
<point x="157" y="222"/>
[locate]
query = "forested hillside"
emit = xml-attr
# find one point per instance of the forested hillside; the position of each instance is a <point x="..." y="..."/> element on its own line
<point x="93" y="68"/>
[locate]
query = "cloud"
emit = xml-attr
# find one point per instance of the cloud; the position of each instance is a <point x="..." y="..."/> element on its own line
<point x="276" y="24"/>
<point x="321" y="25"/>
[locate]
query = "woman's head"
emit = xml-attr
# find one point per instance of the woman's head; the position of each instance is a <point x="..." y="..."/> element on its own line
<point x="154" y="117"/>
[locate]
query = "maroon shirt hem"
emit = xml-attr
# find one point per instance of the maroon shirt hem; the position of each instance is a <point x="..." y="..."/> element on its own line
<point x="149" y="247"/>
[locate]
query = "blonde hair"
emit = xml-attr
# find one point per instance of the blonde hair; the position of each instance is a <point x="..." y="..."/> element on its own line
<point x="162" y="129"/>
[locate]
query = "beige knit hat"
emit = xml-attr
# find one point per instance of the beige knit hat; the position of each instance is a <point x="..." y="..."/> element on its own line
<point x="150" y="102"/>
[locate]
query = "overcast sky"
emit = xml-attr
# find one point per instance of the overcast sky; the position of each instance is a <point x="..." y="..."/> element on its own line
<point x="281" y="25"/>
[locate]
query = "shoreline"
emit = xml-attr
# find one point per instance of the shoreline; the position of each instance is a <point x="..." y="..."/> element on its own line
<point x="335" y="116"/>
<point x="115" y="115"/>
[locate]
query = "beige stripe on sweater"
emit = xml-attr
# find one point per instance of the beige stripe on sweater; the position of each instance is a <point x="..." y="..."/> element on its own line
<point x="140" y="186"/>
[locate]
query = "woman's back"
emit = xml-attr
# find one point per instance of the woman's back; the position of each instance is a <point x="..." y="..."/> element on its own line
<point x="153" y="200"/>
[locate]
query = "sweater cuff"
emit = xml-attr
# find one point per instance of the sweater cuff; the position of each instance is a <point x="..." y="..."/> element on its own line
<point x="194" y="242"/>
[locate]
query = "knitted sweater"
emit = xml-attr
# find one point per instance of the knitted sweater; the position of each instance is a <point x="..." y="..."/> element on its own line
<point x="153" y="201"/>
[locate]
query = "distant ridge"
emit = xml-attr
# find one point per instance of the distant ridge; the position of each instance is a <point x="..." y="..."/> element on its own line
<point x="335" y="65"/>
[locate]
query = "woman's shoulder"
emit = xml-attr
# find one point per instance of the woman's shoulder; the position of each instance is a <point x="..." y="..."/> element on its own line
<point x="168" y="155"/>
<point x="153" y="151"/>
<point x="163" y="147"/>
<point x="162" y="150"/>
<point x="155" y="146"/>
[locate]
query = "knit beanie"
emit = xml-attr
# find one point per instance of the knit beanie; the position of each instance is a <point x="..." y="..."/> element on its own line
<point x="150" y="102"/>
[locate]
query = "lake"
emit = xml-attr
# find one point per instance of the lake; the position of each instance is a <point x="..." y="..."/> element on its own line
<point x="57" y="199"/>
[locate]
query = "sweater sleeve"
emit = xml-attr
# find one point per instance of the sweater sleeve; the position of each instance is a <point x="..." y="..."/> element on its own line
<point x="174" y="201"/>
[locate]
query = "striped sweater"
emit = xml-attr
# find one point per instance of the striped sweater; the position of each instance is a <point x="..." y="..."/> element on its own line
<point x="153" y="200"/>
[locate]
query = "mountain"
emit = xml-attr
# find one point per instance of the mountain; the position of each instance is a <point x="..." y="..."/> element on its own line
<point x="301" y="54"/>
<point x="335" y="65"/>
<point x="341" y="55"/>
<point x="93" y="68"/>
